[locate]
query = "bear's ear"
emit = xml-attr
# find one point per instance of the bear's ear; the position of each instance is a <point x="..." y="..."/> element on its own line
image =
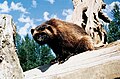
<point x="32" y="31"/>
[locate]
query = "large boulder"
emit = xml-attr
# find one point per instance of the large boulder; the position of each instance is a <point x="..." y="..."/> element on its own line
<point x="98" y="64"/>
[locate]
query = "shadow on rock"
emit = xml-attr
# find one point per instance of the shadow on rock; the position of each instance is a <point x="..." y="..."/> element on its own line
<point x="44" y="67"/>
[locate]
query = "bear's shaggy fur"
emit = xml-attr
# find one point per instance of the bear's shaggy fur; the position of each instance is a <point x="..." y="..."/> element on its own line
<point x="65" y="39"/>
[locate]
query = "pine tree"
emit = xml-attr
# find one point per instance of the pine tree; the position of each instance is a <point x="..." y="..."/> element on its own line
<point x="114" y="26"/>
<point x="31" y="54"/>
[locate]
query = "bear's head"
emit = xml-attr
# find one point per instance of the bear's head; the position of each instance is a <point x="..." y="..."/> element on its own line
<point x="43" y="33"/>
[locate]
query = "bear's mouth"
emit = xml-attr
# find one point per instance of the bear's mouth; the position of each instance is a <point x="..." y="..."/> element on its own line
<point x="41" y="38"/>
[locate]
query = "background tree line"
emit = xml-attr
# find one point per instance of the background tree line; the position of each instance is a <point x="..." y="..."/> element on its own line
<point x="32" y="55"/>
<point x="114" y="26"/>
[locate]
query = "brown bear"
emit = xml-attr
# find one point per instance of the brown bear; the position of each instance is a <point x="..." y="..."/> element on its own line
<point x="65" y="39"/>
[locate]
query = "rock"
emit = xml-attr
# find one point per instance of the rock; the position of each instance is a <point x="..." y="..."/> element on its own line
<point x="9" y="62"/>
<point x="98" y="64"/>
<point x="88" y="14"/>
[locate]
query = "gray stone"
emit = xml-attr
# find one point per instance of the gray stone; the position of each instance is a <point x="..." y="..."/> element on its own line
<point x="9" y="63"/>
<point x="88" y="14"/>
<point x="98" y="64"/>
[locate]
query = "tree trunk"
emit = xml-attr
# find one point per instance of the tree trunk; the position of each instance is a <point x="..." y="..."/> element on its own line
<point x="9" y="62"/>
<point x="88" y="14"/>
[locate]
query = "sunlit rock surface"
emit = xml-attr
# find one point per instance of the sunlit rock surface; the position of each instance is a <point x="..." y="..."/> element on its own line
<point x="9" y="63"/>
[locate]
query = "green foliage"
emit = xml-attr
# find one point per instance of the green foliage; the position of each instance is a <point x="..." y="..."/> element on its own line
<point x="30" y="54"/>
<point x="114" y="26"/>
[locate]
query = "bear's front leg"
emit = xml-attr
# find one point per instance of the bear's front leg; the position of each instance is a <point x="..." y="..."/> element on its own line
<point x="54" y="61"/>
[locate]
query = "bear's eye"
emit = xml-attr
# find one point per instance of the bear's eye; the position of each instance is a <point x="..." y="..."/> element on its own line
<point x="50" y="29"/>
